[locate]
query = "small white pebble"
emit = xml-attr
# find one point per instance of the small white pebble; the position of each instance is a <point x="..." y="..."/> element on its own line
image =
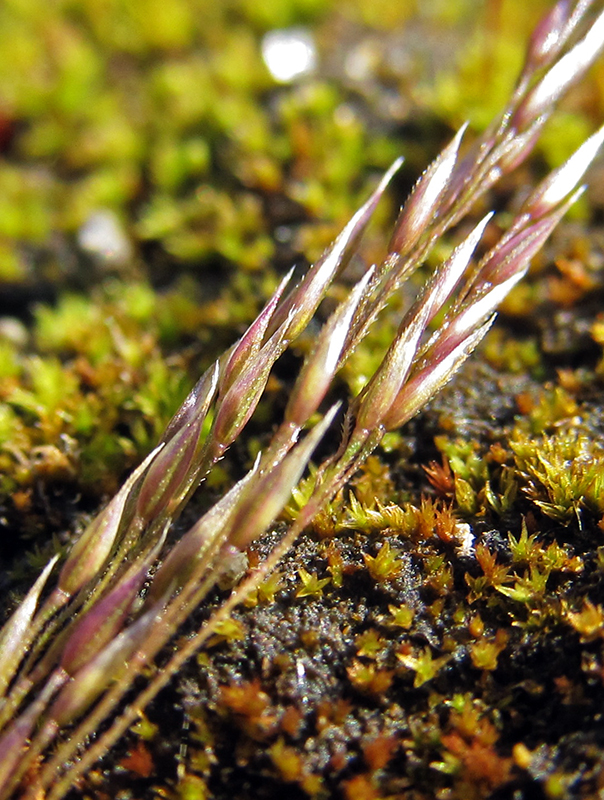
<point x="14" y="331"/>
<point x="464" y="539"/>
<point x="289" y="53"/>
<point x="233" y="568"/>
<point x="103" y="237"/>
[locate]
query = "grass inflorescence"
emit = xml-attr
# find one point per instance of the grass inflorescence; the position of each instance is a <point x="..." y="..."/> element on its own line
<point x="97" y="627"/>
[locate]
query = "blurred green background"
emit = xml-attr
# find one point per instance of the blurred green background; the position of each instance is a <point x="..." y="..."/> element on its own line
<point x="167" y="116"/>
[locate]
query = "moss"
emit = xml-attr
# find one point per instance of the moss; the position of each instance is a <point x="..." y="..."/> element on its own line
<point x="438" y="632"/>
<point x="312" y="586"/>
<point x="384" y="565"/>
<point x="564" y="474"/>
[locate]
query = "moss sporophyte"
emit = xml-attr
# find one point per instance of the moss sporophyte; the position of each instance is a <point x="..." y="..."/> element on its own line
<point x="99" y="635"/>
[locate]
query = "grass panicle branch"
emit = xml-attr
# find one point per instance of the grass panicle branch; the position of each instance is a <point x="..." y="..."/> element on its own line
<point x="66" y="663"/>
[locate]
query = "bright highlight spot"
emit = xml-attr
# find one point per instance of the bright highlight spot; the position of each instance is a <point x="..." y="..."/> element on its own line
<point x="104" y="238"/>
<point x="289" y="53"/>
